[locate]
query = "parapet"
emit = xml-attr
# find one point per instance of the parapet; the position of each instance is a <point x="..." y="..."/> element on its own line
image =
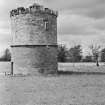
<point x="33" y="9"/>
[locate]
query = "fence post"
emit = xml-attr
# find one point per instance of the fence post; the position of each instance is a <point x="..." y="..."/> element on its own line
<point x="11" y="68"/>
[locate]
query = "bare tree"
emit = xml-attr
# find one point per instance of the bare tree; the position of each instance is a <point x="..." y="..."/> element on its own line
<point x="62" y="53"/>
<point x="75" y="53"/>
<point x="95" y="50"/>
<point x="103" y="55"/>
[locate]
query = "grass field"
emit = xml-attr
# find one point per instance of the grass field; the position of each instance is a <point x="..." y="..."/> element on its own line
<point x="72" y="89"/>
<point x="78" y="67"/>
<point x="82" y="67"/>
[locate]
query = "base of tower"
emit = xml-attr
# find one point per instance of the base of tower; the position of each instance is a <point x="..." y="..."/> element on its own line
<point x="34" y="60"/>
<point x="17" y="70"/>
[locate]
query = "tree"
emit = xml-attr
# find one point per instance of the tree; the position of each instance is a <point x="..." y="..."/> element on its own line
<point x="6" y="56"/>
<point x="95" y="49"/>
<point x="75" y="53"/>
<point x="87" y="58"/>
<point x="103" y="55"/>
<point x="62" y="51"/>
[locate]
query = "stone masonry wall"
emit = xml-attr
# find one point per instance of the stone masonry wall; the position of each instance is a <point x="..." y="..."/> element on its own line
<point x="30" y="29"/>
<point x="34" y="60"/>
<point x="34" y="45"/>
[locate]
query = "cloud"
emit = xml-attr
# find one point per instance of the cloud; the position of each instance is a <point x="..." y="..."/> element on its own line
<point x="79" y="25"/>
<point x="5" y="41"/>
<point x="100" y="24"/>
<point x="5" y="36"/>
<point x="96" y="12"/>
<point x="90" y="8"/>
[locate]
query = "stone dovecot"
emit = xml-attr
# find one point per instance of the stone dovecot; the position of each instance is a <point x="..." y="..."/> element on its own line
<point x="34" y="45"/>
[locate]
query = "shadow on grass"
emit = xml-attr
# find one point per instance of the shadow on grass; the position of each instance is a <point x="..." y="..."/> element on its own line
<point x="79" y="73"/>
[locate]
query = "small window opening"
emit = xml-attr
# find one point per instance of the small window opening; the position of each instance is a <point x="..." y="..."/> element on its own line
<point x="46" y="24"/>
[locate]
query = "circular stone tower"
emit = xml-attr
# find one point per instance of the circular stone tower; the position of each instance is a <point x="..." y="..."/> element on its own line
<point x="34" y="45"/>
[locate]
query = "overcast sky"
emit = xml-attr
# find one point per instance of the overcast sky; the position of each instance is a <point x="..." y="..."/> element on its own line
<point x="79" y="21"/>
